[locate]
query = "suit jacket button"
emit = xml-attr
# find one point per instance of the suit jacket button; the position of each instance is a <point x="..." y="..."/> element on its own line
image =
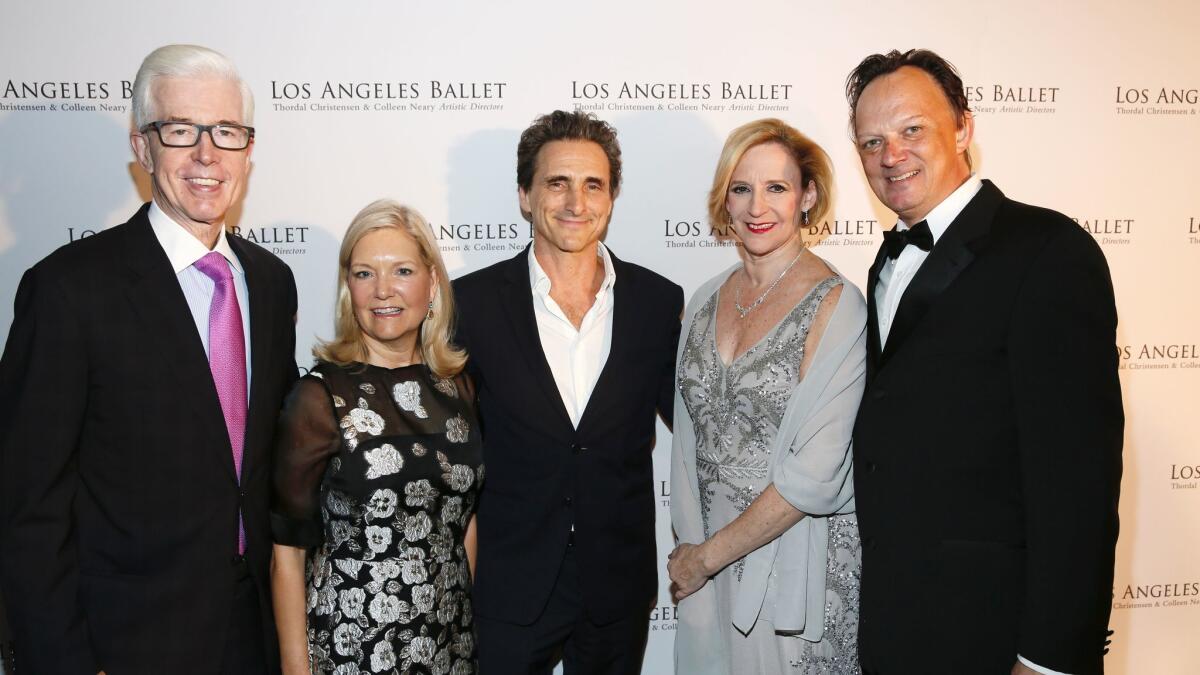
<point x="878" y="394"/>
<point x="870" y="467"/>
<point x="576" y="448"/>
<point x="567" y="501"/>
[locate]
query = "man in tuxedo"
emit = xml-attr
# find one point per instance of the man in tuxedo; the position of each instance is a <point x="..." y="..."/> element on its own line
<point x="987" y="449"/>
<point x="139" y="388"/>
<point x="572" y="351"/>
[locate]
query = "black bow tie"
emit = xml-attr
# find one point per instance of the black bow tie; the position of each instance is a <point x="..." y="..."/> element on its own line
<point x="918" y="235"/>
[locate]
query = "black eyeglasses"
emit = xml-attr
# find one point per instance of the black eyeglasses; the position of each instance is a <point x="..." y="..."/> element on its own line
<point x="186" y="134"/>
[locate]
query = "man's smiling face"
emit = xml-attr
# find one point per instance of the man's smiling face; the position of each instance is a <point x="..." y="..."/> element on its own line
<point x="912" y="145"/>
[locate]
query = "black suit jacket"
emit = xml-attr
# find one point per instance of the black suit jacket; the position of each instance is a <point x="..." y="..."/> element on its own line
<point x="988" y="451"/>
<point x="543" y="474"/>
<point x="120" y="499"/>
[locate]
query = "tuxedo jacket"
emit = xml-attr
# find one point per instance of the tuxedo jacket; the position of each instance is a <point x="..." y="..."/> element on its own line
<point x="543" y="474"/>
<point x="987" y="451"/>
<point x="119" y="493"/>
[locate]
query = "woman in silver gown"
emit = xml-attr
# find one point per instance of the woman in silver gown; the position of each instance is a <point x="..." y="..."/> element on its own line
<point x="769" y="376"/>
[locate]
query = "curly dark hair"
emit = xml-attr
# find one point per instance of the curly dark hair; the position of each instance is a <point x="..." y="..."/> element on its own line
<point x="561" y="125"/>
<point x="941" y="70"/>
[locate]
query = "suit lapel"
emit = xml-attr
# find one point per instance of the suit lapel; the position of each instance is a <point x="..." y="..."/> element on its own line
<point x="169" y="331"/>
<point x="953" y="253"/>
<point x="517" y="297"/>
<point x="624" y="323"/>
<point x="874" y="350"/>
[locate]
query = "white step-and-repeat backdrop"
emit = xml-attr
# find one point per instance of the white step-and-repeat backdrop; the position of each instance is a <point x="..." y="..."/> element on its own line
<point x="1086" y="107"/>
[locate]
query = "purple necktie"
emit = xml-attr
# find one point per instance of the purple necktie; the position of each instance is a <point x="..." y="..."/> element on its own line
<point x="227" y="359"/>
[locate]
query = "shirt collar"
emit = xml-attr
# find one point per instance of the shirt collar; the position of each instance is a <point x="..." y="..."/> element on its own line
<point x="540" y="281"/>
<point x="183" y="250"/>
<point x="943" y="214"/>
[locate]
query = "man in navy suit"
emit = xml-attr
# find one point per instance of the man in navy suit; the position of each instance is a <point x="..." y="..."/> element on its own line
<point x="139" y="388"/>
<point x="572" y="351"/>
<point x="987" y="449"/>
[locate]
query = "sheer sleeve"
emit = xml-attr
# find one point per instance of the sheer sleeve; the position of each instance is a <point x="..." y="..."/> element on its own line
<point x="305" y="440"/>
<point x="466" y="388"/>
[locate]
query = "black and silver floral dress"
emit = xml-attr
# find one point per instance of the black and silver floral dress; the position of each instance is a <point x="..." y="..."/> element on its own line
<point x="376" y="473"/>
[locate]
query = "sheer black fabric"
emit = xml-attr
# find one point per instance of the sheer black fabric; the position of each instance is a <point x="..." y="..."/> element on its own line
<point x="377" y="471"/>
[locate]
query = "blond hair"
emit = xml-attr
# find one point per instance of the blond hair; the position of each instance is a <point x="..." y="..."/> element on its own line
<point x="348" y="345"/>
<point x="814" y="165"/>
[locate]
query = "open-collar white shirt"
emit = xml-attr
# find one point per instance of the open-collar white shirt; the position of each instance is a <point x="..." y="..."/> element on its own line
<point x="183" y="250"/>
<point x="575" y="356"/>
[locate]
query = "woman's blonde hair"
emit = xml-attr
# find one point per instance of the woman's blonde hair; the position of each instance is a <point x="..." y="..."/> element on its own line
<point x="348" y="345"/>
<point x="813" y="162"/>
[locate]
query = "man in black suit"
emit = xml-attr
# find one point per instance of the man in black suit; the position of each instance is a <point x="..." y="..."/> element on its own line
<point x="988" y="444"/>
<point x="139" y="389"/>
<point x="572" y="352"/>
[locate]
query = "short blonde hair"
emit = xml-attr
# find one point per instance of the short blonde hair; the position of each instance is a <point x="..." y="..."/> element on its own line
<point x="348" y="345"/>
<point x="814" y="165"/>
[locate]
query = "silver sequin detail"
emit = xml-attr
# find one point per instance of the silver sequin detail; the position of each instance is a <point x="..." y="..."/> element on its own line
<point x="837" y="652"/>
<point x="736" y="411"/>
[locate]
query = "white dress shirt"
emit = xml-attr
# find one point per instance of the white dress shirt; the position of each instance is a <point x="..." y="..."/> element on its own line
<point x="576" y="357"/>
<point x="897" y="273"/>
<point x="183" y="250"/>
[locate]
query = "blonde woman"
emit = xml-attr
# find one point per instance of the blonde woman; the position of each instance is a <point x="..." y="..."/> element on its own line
<point x="377" y="467"/>
<point x="770" y="374"/>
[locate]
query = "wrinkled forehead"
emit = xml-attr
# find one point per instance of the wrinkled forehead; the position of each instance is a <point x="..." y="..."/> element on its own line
<point x="574" y="157"/>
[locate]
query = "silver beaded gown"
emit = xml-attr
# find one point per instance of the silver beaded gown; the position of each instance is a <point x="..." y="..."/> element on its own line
<point x="737" y="410"/>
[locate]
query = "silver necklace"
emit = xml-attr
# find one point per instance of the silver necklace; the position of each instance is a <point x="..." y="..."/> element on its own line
<point x="737" y="293"/>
